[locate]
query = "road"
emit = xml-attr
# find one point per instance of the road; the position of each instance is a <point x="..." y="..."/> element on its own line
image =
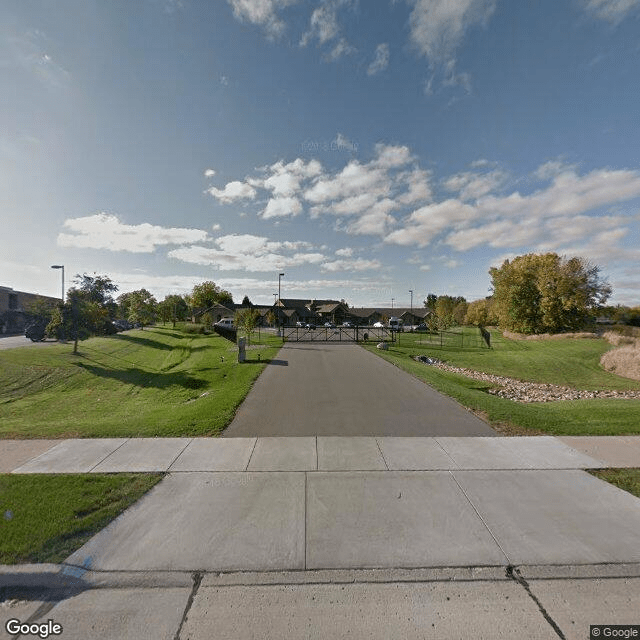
<point x="11" y="342"/>
<point x="324" y="389"/>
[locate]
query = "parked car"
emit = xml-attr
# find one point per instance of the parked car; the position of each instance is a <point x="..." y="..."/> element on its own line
<point x="121" y="325"/>
<point x="329" y="325"/>
<point x="378" y="325"/>
<point x="225" y="323"/>
<point x="347" y="324"/>
<point x="395" y="324"/>
<point x="310" y="325"/>
<point x="35" y="330"/>
<point x="299" y="323"/>
<point x="421" y="327"/>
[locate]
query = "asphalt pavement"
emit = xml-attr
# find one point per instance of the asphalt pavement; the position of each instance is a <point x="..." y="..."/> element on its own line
<point x="324" y="389"/>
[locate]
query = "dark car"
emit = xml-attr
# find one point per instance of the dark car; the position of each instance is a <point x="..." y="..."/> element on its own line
<point x="35" y="330"/>
<point x="310" y="325"/>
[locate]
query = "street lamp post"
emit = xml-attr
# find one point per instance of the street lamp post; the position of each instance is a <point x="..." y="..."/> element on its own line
<point x="411" y="292"/>
<point x="392" y="299"/>
<point x="60" y="266"/>
<point x="280" y="275"/>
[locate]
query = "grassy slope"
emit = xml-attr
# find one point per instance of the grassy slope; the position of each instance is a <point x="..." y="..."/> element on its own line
<point x="626" y="479"/>
<point x="45" y="518"/>
<point x="142" y="383"/>
<point x="571" y="362"/>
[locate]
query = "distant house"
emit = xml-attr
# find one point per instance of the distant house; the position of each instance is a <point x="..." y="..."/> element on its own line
<point x="291" y="310"/>
<point x="14" y="308"/>
<point x="371" y="315"/>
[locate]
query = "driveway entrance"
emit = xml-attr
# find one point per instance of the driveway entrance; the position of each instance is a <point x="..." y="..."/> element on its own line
<point x="327" y="389"/>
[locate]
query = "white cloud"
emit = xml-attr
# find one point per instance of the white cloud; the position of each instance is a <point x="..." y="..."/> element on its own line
<point x="343" y="143"/>
<point x="209" y="173"/>
<point x="105" y="231"/>
<point x="471" y="186"/>
<point x="346" y="252"/>
<point x="357" y="264"/>
<point x="263" y="13"/>
<point x="612" y="10"/>
<point x="341" y="48"/>
<point x="438" y="26"/>
<point x="391" y="156"/>
<point x="246" y="252"/>
<point x="380" y="60"/>
<point x="418" y="182"/>
<point x="280" y="207"/>
<point x="546" y="218"/>
<point x="233" y="191"/>
<point x="424" y="224"/>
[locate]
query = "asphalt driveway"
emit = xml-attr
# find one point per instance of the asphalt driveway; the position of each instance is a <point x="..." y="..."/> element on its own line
<point x="328" y="389"/>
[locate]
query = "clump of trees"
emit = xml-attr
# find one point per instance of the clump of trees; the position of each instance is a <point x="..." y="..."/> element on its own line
<point x="446" y="311"/>
<point x="88" y="310"/>
<point x="138" y="307"/>
<point x="247" y="319"/>
<point x="546" y="293"/>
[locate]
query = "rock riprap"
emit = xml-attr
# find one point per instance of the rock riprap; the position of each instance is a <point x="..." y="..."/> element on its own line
<point x="521" y="391"/>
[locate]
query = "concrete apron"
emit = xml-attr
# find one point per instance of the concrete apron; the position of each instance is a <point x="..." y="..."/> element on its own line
<point x="280" y="521"/>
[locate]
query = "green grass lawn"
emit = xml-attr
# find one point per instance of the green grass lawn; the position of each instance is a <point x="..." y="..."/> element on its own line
<point x="626" y="479"/>
<point x="153" y="382"/>
<point x="569" y="362"/>
<point x="45" y="518"/>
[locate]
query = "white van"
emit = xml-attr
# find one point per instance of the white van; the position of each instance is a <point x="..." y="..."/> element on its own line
<point x="395" y="324"/>
<point x="226" y="323"/>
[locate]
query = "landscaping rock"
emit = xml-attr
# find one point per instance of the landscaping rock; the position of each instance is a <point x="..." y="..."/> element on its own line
<point x="383" y="345"/>
<point x="521" y="391"/>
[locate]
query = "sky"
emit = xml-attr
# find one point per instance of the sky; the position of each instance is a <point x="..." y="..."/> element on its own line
<point x="366" y="149"/>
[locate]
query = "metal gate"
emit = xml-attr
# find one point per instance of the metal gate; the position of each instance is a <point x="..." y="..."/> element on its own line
<point x="338" y="334"/>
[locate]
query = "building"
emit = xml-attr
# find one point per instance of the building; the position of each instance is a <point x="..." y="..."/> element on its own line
<point x="15" y="308"/>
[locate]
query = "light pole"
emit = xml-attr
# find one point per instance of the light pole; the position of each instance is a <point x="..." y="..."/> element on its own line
<point x="60" y="266"/>
<point x="280" y="275"/>
<point x="392" y="299"/>
<point x="411" y="292"/>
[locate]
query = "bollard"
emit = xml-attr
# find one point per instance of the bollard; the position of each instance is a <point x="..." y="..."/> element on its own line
<point x="242" y="356"/>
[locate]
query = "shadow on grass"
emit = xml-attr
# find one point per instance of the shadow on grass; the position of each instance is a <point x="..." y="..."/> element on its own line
<point x="145" y="342"/>
<point x="142" y="378"/>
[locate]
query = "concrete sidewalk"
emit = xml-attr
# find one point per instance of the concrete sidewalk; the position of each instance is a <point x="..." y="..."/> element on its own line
<point x="321" y="453"/>
<point x="324" y="537"/>
<point x="473" y="602"/>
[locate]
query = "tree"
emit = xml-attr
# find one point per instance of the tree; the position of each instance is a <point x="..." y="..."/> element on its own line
<point x="540" y="293"/>
<point x="206" y="294"/>
<point x="430" y="302"/>
<point x="173" y="307"/>
<point x="247" y="320"/>
<point x="138" y="307"/>
<point x="246" y="302"/>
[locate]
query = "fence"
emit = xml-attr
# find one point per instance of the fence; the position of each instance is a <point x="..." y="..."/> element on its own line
<point x="337" y="334"/>
<point x="461" y="339"/>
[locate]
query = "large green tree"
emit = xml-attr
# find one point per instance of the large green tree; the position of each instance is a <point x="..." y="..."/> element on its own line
<point x="206" y="294"/>
<point x="173" y="307"/>
<point x="138" y="307"/>
<point x="546" y="293"/>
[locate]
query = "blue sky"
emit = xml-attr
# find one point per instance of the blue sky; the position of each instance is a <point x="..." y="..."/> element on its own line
<point x="363" y="148"/>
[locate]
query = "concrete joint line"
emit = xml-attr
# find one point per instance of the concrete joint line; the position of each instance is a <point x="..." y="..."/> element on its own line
<point x="109" y="454"/>
<point x="316" y="441"/>
<point x="446" y="452"/>
<point x="197" y="579"/>
<point x="486" y="526"/>
<point x="255" y="442"/>
<point x="514" y="574"/>
<point x="382" y="454"/>
<point x="306" y="512"/>
<point x="181" y="452"/>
